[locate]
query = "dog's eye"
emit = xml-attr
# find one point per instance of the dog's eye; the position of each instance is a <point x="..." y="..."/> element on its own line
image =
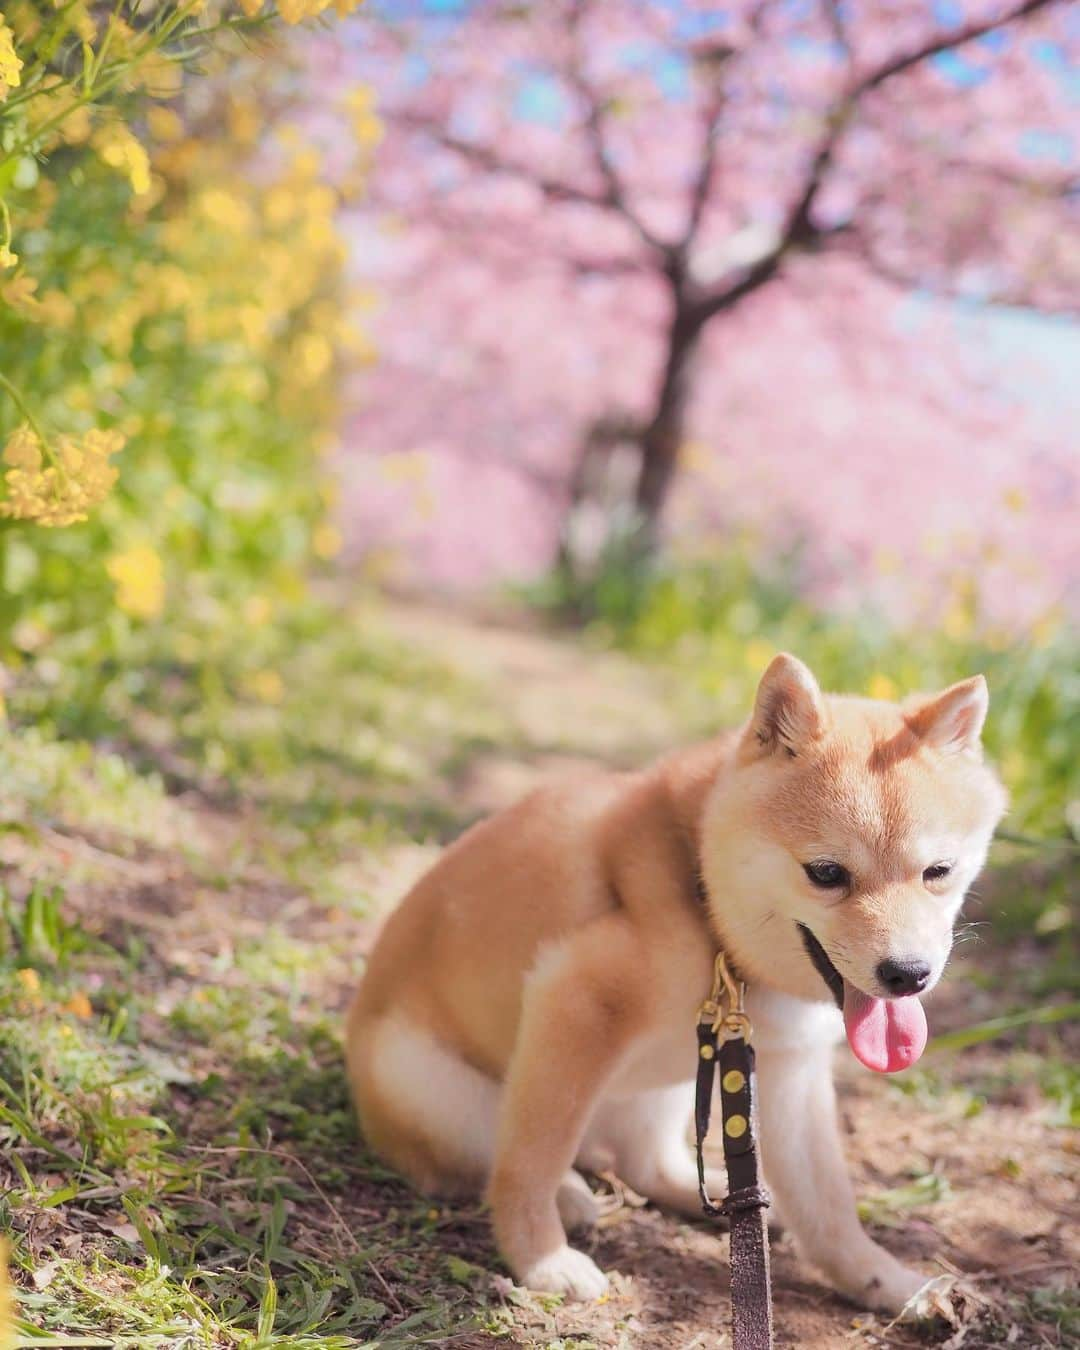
<point x="826" y="874"/>
<point x="937" y="872"/>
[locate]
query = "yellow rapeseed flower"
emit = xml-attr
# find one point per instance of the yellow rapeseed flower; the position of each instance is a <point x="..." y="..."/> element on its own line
<point x="245" y="121"/>
<point x="257" y="610"/>
<point x="265" y="685"/>
<point x="139" y="579"/>
<point x="326" y="540"/>
<point x="57" y="485"/>
<point x="758" y="654"/>
<point x="56" y="309"/>
<point x="19" y="294"/>
<point x="359" y="103"/>
<point x="165" y="124"/>
<point x="23" y="450"/>
<point x="880" y="686"/>
<point x="30" y="981"/>
<point x="296" y="11"/>
<point x="10" y="62"/>
<point x="120" y="149"/>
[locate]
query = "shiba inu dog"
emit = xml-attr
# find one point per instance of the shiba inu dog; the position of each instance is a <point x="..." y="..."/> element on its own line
<point x="529" y="1008"/>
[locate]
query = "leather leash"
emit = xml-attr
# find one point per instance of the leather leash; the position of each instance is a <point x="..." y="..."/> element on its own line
<point x="724" y="1044"/>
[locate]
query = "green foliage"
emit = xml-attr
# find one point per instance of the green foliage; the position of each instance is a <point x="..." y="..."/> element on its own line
<point x="220" y="498"/>
<point x="180" y="1116"/>
<point x="718" y="621"/>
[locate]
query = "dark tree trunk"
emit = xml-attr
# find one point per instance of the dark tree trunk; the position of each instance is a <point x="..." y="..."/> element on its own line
<point x="663" y="436"/>
<point x="655" y="444"/>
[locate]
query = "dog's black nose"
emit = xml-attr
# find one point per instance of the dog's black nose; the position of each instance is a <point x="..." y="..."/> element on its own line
<point x="904" y="977"/>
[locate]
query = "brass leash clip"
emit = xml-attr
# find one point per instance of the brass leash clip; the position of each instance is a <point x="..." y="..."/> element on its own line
<point x="734" y="1023"/>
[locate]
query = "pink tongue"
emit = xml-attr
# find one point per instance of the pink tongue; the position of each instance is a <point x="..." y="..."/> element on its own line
<point x="884" y="1034"/>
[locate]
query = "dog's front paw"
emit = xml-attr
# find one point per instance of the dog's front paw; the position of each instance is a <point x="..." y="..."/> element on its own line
<point x="566" y="1271"/>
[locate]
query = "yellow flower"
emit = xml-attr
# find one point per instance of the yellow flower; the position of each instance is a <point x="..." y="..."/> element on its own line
<point x="10" y="62"/>
<point x="758" y="654"/>
<point x="23" y="450"/>
<point x="56" y="309"/>
<point x="311" y="357"/>
<point x="957" y="621"/>
<point x="30" y="980"/>
<point x="360" y="105"/>
<point x="7" y="258"/>
<point x="880" y="686"/>
<point x="265" y="685"/>
<point x="120" y="149"/>
<point x="60" y="492"/>
<point x="19" y="294"/>
<point x="227" y="210"/>
<point x="245" y="122"/>
<point x="79" y="1006"/>
<point x="164" y="124"/>
<point x="257" y="610"/>
<point x="326" y="540"/>
<point x="159" y="76"/>
<point x="294" y="11"/>
<point x="139" y="580"/>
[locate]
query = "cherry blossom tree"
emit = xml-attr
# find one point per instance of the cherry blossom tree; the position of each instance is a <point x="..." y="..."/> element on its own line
<point x="586" y="192"/>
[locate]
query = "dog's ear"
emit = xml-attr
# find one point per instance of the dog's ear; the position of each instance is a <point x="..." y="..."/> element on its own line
<point x="953" y="719"/>
<point x="788" y="711"/>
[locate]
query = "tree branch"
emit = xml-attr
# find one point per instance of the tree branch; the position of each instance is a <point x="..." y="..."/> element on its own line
<point x="906" y="280"/>
<point x="596" y="136"/>
<point x="556" y="189"/>
<point x="705" y="179"/>
<point x="799" y="227"/>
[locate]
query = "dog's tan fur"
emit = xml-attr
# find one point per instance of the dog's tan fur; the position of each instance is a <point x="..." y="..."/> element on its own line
<point x="530" y="1005"/>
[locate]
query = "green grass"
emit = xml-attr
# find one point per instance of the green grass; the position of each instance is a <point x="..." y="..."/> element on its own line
<point x="180" y="1161"/>
<point x="190" y="853"/>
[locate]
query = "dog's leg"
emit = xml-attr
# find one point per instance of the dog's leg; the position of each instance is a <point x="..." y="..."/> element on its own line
<point x="647" y="1134"/>
<point x="804" y="1164"/>
<point x="577" y="1018"/>
<point x="422" y="1108"/>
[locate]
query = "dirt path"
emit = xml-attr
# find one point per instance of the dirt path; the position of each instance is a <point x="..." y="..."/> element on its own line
<point x="227" y="928"/>
<point x="958" y="1164"/>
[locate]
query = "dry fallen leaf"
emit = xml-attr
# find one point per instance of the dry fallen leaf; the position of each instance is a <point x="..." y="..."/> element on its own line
<point x="44" y="1275"/>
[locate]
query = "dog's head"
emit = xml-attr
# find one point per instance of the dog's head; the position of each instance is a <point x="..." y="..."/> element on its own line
<point x="839" y="850"/>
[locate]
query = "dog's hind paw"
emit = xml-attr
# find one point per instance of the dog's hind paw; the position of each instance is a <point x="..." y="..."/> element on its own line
<point x="566" y="1271"/>
<point x="578" y="1207"/>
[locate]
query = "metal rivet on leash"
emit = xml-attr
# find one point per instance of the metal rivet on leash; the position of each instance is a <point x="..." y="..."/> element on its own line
<point x="724" y="1033"/>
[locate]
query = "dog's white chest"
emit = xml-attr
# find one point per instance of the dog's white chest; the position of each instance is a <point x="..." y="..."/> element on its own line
<point x="665" y="1054"/>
